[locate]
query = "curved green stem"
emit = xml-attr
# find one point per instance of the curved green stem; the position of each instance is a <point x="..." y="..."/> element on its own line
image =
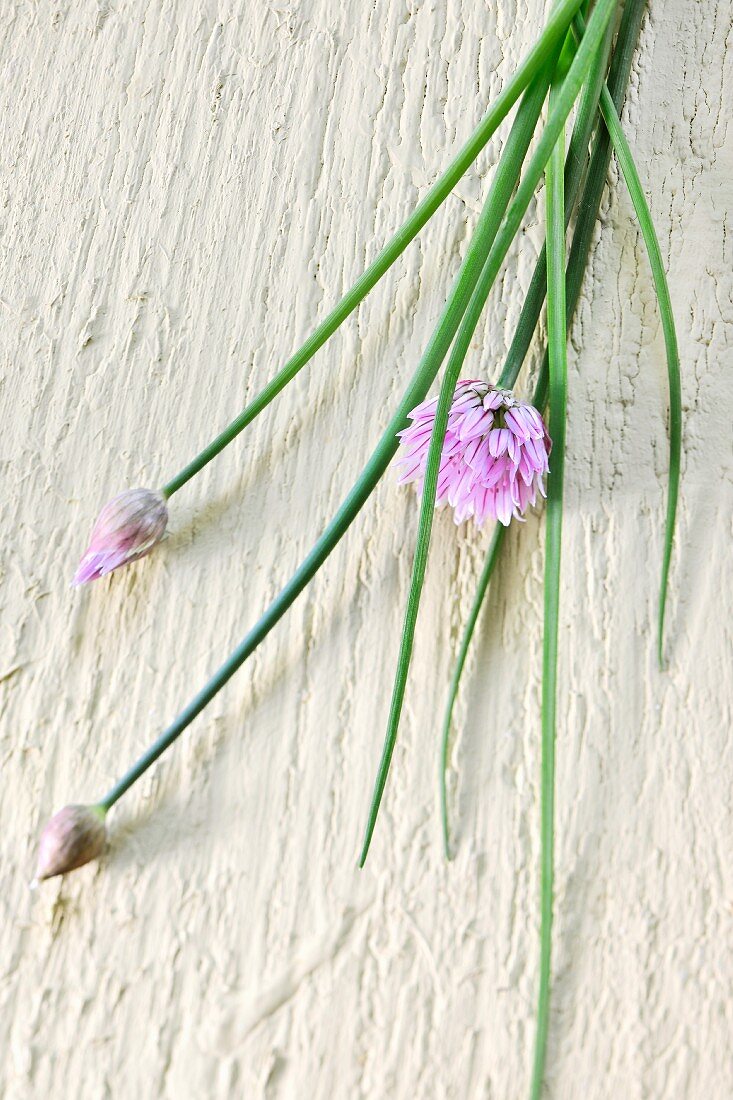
<point x="373" y="471"/>
<point x="633" y="183"/>
<point x="566" y="96"/>
<point x="422" y="380"/>
<point x="546" y="46"/>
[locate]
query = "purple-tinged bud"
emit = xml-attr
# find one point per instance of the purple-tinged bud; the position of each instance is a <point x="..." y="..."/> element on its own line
<point x="74" y="836"/>
<point x="127" y="529"/>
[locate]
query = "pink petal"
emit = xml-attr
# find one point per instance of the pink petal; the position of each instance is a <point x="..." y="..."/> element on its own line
<point x="498" y="439"/>
<point x="503" y="506"/>
<point x="515" y="422"/>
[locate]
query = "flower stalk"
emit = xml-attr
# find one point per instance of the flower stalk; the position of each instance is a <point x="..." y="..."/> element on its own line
<point x="546" y="47"/>
<point x="384" y="452"/>
<point x="536" y="60"/>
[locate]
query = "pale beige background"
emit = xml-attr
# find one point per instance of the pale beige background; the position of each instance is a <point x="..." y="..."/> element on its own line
<point x="186" y="187"/>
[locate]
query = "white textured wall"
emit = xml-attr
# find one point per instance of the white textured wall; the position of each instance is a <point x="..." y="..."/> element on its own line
<point x="186" y="186"/>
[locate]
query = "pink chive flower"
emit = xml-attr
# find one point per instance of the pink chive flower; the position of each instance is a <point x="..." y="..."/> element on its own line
<point x="74" y="836"/>
<point x="494" y="458"/>
<point x="127" y="529"/>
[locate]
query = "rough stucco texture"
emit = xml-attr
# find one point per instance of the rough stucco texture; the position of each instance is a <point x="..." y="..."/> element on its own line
<point x="186" y="188"/>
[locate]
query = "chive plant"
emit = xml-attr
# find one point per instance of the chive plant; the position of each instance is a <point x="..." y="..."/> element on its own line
<point x="580" y="63"/>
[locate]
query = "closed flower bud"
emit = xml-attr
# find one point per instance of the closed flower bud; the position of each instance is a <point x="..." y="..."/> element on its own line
<point x="74" y="836"/>
<point x="127" y="529"/>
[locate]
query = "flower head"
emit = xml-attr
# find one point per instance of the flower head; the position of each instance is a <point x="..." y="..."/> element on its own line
<point x="127" y="529"/>
<point x="494" y="456"/>
<point x="74" y="836"/>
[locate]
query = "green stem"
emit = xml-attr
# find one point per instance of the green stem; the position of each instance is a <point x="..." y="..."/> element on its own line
<point x="566" y="96"/>
<point x="557" y="349"/>
<point x="546" y="46"/>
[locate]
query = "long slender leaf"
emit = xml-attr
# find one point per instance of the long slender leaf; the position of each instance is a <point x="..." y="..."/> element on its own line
<point x="557" y="349"/>
<point x="633" y="183"/>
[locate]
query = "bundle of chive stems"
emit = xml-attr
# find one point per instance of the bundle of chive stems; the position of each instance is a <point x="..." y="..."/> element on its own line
<point x="581" y="63"/>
